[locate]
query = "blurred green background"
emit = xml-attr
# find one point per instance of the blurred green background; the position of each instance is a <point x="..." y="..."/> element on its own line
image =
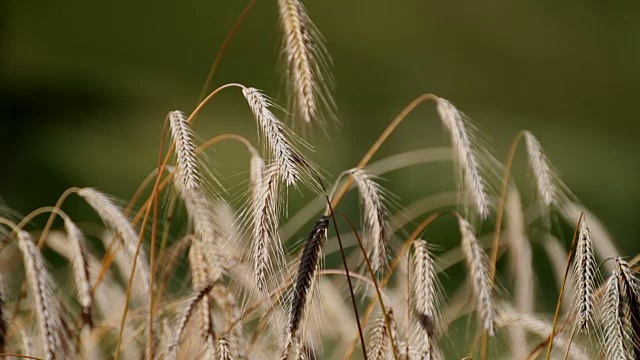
<point x="85" y="87"/>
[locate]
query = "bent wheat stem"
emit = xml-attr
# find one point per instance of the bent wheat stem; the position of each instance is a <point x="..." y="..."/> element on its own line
<point x="394" y="264"/>
<point x="223" y="47"/>
<point x="346" y="269"/>
<point x="498" y="227"/>
<point x="564" y="281"/>
<point x="381" y="140"/>
<point x="383" y="307"/>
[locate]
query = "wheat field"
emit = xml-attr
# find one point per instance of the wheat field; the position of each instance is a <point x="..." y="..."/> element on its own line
<point x="195" y="266"/>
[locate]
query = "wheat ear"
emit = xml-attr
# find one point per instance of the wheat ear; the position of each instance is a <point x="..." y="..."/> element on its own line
<point x="615" y="334"/>
<point x="197" y="297"/>
<point x="377" y="349"/>
<point x="200" y="277"/>
<point x="234" y="316"/>
<point x="542" y="171"/>
<point x="585" y="272"/>
<point x="306" y="61"/>
<point x="393" y="329"/>
<point x="113" y="217"/>
<point x="80" y="265"/>
<point x="265" y="211"/>
<point x="477" y="263"/>
<point x="262" y="217"/>
<point x="224" y="353"/>
<point x="425" y="297"/>
<point x="55" y="333"/>
<point x="375" y="215"/>
<point x="474" y="160"/>
<point x="274" y="134"/>
<point x="630" y="289"/>
<point x="309" y="262"/>
<point x="166" y="336"/>
<point x="189" y="186"/>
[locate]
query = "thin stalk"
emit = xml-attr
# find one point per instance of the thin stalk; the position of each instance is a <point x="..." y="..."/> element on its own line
<point x="573" y="333"/>
<point x="169" y="262"/>
<point x="145" y="218"/>
<point x="109" y="258"/>
<point x="392" y="267"/>
<point x="381" y="140"/>
<point x="498" y="227"/>
<point x="375" y="284"/>
<point x="47" y="227"/>
<point x="223" y="47"/>
<point x="564" y="282"/>
<point x="538" y="349"/>
<point x="346" y="269"/>
<point x="54" y="211"/>
<point x="166" y="225"/>
<point x="152" y="251"/>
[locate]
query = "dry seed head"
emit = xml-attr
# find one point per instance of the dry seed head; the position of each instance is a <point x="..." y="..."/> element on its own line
<point x="542" y="171"/>
<point x="187" y="163"/>
<point x="113" y="217"/>
<point x="224" y="353"/>
<point x="377" y="349"/>
<point x="477" y="263"/>
<point x="309" y="262"/>
<point x="233" y="315"/>
<point x="192" y="193"/>
<point x="425" y="298"/>
<point x="615" y="336"/>
<point x="274" y="134"/>
<point x="80" y="265"/>
<point x="425" y="290"/>
<point x="630" y="290"/>
<point x="585" y="272"/>
<point x="200" y="276"/>
<point x="375" y="215"/>
<point x="198" y="266"/>
<point x="55" y="333"/>
<point x="305" y="55"/>
<point x="265" y="238"/>
<point x="196" y="298"/>
<point x="257" y="169"/>
<point x="165" y="339"/>
<point x="395" y="335"/>
<point x="470" y="156"/>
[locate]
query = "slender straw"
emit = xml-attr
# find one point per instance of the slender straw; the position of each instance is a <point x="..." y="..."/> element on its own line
<point x="564" y="282"/>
